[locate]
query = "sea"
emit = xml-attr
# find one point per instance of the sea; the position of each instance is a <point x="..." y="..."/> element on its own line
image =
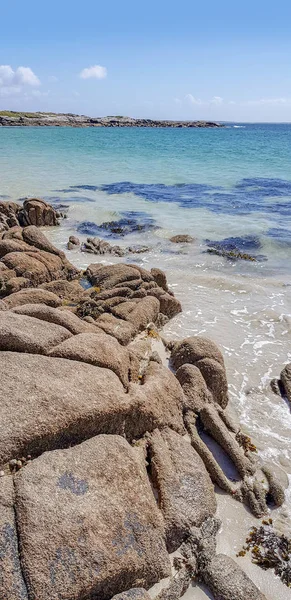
<point x="230" y="189"/>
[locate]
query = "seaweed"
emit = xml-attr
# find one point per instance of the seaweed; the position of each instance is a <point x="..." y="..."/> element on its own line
<point x="269" y="550"/>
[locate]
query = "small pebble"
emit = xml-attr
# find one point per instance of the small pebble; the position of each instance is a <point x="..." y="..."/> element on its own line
<point x="2" y="473"/>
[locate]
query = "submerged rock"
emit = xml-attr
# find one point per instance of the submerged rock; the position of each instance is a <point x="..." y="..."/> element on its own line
<point x="181" y="239"/>
<point x="232" y="254"/>
<point x="235" y="248"/>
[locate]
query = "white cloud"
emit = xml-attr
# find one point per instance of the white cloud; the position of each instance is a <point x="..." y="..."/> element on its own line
<point x="177" y="100"/>
<point x="95" y="72"/>
<point x="25" y="76"/>
<point x="193" y="100"/>
<point x="13" y="82"/>
<point x="53" y="79"/>
<point x="216" y="100"/>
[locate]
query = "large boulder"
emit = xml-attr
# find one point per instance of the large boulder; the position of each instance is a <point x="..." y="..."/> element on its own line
<point x="108" y="276"/>
<point x="33" y="236"/>
<point x="68" y="401"/>
<point x="12" y="585"/>
<point x="32" y="296"/>
<point x="48" y="402"/>
<point x="96" y="349"/>
<point x="215" y="377"/>
<point x="170" y="306"/>
<point x="141" y="313"/>
<point x="192" y="349"/>
<point x="28" y="265"/>
<point x="227" y="581"/>
<point x="37" y="212"/>
<point x="7" y="207"/>
<point x="194" y="387"/>
<point x="186" y="493"/>
<point x="20" y="333"/>
<point x="12" y="245"/>
<point x="88" y="522"/>
<point x="123" y="331"/>
<point x="53" y="315"/>
<point x="158" y="402"/>
<point x="68" y="290"/>
<point x="205" y="355"/>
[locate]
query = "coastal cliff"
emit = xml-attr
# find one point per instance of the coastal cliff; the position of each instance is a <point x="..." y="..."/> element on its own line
<point x="23" y="119"/>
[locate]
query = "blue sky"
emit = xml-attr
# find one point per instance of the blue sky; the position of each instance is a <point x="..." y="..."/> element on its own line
<point x="185" y="60"/>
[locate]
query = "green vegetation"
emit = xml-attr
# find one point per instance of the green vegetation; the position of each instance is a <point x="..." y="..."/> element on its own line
<point x="12" y="113"/>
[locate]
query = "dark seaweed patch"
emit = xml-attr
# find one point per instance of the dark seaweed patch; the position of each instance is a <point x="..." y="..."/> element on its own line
<point x="249" y="195"/>
<point x="248" y="242"/>
<point x="265" y="186"/>
<point x="130" y="222"/>
<point x="88" y="228"/>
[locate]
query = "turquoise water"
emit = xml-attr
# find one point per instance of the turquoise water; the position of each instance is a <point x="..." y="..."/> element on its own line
<point x="223" y="157"/>
<point x="212" y="183"/>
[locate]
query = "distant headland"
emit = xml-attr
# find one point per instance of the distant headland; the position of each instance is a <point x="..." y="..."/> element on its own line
<point x="40" y="119"/>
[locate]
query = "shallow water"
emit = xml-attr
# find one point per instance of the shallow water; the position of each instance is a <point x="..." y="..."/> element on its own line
<point x="212" y="184"/>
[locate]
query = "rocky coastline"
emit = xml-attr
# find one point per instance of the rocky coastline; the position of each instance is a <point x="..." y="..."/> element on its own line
<point x="107" y="483"/>
<point x="18" y="119"/>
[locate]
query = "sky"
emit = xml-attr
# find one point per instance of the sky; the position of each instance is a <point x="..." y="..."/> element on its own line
<point x="211" y="59"/>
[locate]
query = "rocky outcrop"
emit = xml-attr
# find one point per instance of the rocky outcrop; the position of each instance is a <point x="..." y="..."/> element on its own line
<point x="97" y="246"/>
<point x="201" y="372"/>
<point x="104" y="462"/>
<point x="30" y="260"/>
<point x="12" y="118"/>
<point x="73" y="242"/>
<point x="33" y="212"/>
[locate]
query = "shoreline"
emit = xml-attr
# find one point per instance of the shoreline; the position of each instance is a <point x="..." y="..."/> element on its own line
<point x="21" y="119"/>
<point x="41" y="214"/>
